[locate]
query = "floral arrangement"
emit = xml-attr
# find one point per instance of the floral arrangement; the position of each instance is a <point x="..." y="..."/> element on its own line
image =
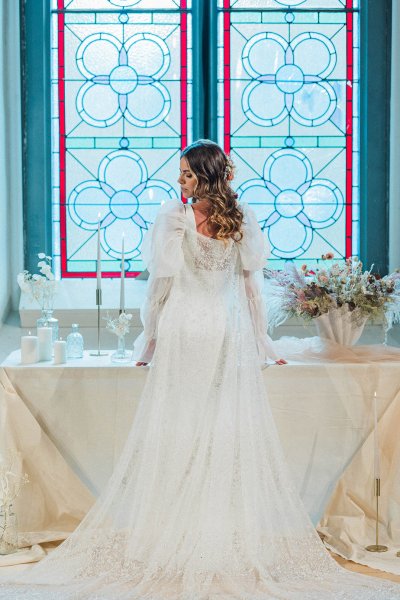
<point x="40" y="287"/>
<point x="11" y="481"/>
<point x="120" y="326"/>
<point x="309" y="294"/>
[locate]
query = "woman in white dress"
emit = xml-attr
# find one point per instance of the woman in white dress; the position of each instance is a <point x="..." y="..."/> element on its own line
<point x="201" y="505"/>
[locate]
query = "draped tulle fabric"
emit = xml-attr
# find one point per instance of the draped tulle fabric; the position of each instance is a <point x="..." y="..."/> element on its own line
<point x="321" y="350"/>
<point x="200" y="506"/>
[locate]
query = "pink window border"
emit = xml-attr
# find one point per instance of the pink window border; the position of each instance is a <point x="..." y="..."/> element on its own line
<point x="62" y="132"/>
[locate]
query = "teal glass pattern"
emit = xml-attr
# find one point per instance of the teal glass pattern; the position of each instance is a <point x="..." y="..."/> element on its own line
<point x="288" y="113"/>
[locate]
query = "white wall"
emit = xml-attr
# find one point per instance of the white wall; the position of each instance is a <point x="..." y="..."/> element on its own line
<point x="394" y="206"/>
<point x="11" y="229"/>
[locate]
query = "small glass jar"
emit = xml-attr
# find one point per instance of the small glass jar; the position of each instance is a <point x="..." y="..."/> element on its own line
<point x="75" y="343"/>
<point x="47" y="320"/>
<point x="121" y="355"/>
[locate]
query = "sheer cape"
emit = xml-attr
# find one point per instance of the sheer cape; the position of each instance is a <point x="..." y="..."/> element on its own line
<point x="200" y="505"/>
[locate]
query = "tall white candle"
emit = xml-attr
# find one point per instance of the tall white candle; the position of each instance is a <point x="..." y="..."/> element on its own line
<point x="122" y="290"/>
<point x="60" y="352"/>
<point x="29" y="349"/>
<point x="98" y="261"/>
<point x="45" y="335"/>
<point x="377" y="461"/>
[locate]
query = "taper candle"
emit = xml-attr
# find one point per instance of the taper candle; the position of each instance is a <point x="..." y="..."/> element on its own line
<point x="377" y="461"/>
<point x="122" y="290"/>
<point x="98" y="261"/>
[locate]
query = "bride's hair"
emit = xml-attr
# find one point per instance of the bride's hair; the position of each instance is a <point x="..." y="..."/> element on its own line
<point x="214" y="171"/>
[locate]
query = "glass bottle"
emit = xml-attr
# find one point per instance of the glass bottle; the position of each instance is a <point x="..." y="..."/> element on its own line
<point x="75" y="343"/>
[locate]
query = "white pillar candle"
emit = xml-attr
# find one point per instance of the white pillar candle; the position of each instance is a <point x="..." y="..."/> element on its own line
<point x="98" y="261"/>
<point x="60" y="352"/>
<point x="45" y="342"/>
<point x="377" y="460"/>
<point x="122" y="290"/>
<point x="29" y="349"/>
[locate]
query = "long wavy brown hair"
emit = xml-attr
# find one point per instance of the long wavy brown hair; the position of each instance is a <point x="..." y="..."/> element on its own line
<point x="214" y="170"/>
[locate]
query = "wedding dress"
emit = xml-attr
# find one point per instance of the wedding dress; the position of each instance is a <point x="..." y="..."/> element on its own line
<point x="200" y="505"/>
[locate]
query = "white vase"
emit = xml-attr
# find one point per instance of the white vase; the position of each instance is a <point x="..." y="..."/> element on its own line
<point x="341" y="325"/>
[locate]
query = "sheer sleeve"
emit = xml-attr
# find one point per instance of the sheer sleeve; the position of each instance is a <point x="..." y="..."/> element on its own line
<point x="254" y="251"/>
<point x="254" y="248"/>
<point x="163" y="256"/>
<point x="253" y="283"/>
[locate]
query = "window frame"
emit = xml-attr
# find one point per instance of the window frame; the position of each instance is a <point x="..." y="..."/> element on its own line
<point x="375" y="58"/>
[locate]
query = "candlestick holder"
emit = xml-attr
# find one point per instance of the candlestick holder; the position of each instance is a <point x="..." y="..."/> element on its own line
<point x="98" y="352"/>
<point x="377" y="547"/>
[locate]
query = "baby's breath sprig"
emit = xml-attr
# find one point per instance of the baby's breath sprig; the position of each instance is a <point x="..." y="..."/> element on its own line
<point x="119" y="326"/>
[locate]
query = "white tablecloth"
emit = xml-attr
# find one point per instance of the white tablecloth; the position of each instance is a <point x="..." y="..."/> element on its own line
<point x="323" y="412"/>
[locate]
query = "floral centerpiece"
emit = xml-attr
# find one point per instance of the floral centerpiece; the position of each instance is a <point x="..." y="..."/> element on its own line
<point x="11" y="482"/>
<point x="41" y="286"/>
<point x="340" y="297"/>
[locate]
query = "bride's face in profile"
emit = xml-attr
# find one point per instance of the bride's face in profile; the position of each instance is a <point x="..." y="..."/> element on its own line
<point x="187" y="179"/>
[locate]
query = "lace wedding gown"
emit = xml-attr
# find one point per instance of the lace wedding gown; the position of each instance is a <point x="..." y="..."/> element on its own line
<point x="200" y="506"/>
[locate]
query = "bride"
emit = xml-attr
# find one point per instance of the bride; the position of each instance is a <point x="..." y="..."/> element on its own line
<point x="200" y="505"/>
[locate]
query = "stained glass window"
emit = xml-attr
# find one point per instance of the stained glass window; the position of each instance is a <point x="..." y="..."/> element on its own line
<point x="288" y="113"/>
<point x="121" y="112"/>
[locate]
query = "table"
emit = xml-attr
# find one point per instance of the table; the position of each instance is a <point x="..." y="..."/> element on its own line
<point x="323" y="413"/>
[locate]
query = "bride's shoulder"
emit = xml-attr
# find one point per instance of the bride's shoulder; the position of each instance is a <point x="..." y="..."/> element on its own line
<point x="162" y="246"/>
<point x="246" y="209"/>
<point x="173" y="207"/>
<point x="171" y="216"/>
